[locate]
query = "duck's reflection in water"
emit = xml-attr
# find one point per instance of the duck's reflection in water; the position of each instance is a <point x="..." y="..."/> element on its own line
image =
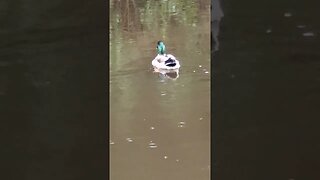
<point x="167" y="74"/>
<point x="216" y="17"/>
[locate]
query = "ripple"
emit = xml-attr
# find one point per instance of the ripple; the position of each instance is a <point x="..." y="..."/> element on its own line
<point x="268" y="31"/>
<point x="130" y="140"/>
<point x="287" y="14"/>
<point x="152" y="145"/>
<point x="301" y="26"/>
<point x="181" y="124"/>
<point x="308" y="34"/>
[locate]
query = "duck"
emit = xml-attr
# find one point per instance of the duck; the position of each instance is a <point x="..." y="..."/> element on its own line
<point x="164" y="61"/>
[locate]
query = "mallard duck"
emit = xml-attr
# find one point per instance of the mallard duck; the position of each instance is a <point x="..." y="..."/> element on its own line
<point x="163" y="60"/>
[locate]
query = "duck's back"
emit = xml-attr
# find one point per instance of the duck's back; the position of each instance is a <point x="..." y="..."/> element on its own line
<point x="171" y="56"/>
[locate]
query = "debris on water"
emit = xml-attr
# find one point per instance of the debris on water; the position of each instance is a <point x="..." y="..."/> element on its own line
<point x="308" y="34"/>
<point x="268" y="31"/>
<point x="181" y="124"/>
<point x="194" y="71"/>
<point x="206" y="72"/>
<point x="287" y="14"/>
<point x="152" y="145"/>
<point x="163" y="94"/>
<point x="111" y="142"/>
<point x="201" y="118"/>
<point x="301" y="26"/>
<point x="200" y="66"/>
<point x="177" y="160"/>
<point x="152" y="128"/>
<point x="129" y="140"/>
<point x="165" y="157"/>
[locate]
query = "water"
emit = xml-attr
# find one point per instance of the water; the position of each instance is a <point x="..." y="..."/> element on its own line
<point x="159" y="125"/>
<point x="266" y="90"/>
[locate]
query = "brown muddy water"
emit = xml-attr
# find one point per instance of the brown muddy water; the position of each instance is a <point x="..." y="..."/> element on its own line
<point x="159" y="125"/>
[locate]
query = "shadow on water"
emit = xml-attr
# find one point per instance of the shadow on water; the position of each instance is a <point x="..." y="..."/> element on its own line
<point x="266" y="90"/>
<point x="159" y="122"/>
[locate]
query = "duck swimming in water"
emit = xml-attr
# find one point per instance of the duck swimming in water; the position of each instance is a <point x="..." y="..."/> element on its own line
<point x="164" y="61"/>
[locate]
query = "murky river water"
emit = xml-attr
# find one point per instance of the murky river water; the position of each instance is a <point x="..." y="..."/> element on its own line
<point x="159" y="125"/>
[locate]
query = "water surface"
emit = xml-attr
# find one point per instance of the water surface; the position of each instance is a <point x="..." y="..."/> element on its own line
<point x="159" y="126"/>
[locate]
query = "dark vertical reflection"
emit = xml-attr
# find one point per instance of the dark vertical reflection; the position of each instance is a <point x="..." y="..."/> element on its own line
<point x="53" y="99"/>
<point x="216" y="16"/>
<point x="266" y="91"/>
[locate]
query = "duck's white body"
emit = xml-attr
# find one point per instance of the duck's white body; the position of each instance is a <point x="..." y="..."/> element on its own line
<point x="159" y="62"/>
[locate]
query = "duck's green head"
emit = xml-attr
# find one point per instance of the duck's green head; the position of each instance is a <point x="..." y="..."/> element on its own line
<point x="161" y="48"/>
